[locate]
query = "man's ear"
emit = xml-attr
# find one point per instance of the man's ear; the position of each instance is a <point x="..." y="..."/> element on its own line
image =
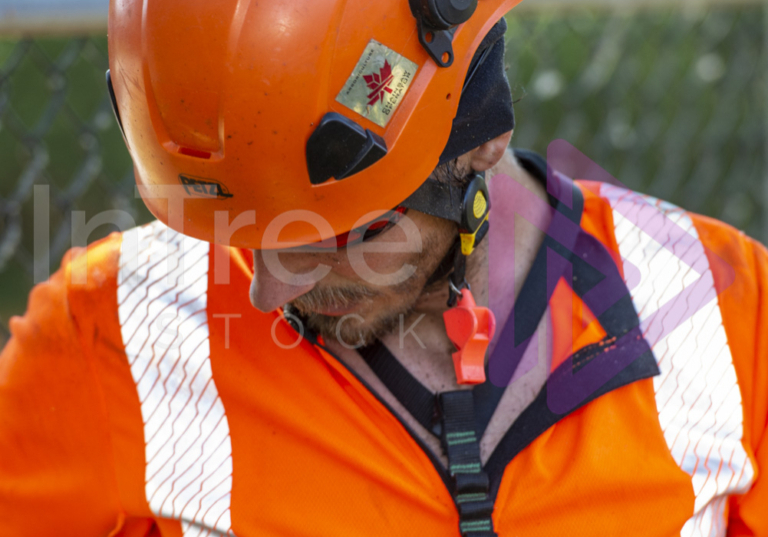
<point x="490" y="153"/>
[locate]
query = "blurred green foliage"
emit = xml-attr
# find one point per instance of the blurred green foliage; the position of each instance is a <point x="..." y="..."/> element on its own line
<point x="671" y="103"/>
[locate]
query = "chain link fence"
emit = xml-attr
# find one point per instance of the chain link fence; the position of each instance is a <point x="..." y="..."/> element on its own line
<point x="671" y="101"/>
<point x="56" y="129"/>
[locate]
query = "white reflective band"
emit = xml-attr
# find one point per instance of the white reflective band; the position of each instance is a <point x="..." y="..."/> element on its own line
<point x="697" y="394"/>
<point x="162" y="301"/>
<point x="194" y="530"/>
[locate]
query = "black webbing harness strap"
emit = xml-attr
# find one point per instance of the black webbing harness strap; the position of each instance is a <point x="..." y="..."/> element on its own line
<point x="459" y="418"/>
<point x="421" y="403"/>
<point x="461" y="445"/>
<point x="417" y="400"/>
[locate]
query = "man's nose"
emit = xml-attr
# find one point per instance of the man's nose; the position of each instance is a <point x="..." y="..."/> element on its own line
<point x="268" y="292"/>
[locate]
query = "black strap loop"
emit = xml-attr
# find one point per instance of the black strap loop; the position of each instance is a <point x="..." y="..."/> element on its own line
<point x="462" y="446"/>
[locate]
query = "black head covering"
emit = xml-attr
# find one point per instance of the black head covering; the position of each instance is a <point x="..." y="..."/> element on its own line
<point x="485" y="108"/>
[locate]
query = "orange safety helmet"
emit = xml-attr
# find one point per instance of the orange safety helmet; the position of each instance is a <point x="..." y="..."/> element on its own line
<point x="338" y="108"/>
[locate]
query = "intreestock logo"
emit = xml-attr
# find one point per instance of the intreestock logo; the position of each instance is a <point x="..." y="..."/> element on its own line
<point x="663" y="278"/>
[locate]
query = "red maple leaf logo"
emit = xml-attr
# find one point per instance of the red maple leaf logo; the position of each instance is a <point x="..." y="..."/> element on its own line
<point x="379" y="83"/>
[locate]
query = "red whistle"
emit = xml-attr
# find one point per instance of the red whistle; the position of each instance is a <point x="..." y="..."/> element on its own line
<point x="471" y="329"/>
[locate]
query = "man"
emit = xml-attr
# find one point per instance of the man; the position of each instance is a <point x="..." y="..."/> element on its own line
<point x="144" y="394"/>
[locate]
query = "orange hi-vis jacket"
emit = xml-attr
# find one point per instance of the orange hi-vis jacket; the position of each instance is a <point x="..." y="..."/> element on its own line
<point x="142" y="394"/>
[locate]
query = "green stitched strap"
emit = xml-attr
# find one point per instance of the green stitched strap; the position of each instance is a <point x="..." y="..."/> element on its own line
<point x="454" y="439"/>
<point x="476" y="525"/>
<point x="472" y="468"/>
<point x="464" y="434"/>
<point x="471" y="497"/>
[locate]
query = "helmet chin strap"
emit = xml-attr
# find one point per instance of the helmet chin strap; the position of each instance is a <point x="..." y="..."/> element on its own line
<point x="469" y="327"/>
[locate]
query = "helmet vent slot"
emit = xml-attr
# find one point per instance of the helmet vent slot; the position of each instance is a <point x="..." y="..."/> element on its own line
<point x="196" y="153"/>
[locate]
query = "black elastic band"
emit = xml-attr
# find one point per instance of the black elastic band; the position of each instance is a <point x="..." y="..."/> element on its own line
<point x="446" y="265"/>
<point x="437" y="198"/>
<point x="457" y="278"/>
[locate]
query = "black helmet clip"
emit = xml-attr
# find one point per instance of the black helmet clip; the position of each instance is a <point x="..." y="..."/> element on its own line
<point x="437" y="21"/>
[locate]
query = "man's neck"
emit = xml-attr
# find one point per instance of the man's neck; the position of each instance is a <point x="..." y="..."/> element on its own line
<point x="425" y="349"/>
<point x="496" y="270"/>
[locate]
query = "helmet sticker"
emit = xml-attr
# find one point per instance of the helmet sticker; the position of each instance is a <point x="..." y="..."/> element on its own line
<point x="204" y="188"/>
<point x="378" y="83"/>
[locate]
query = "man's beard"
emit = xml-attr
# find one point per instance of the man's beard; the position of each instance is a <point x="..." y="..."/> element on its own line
<point x="350" y="330"/>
